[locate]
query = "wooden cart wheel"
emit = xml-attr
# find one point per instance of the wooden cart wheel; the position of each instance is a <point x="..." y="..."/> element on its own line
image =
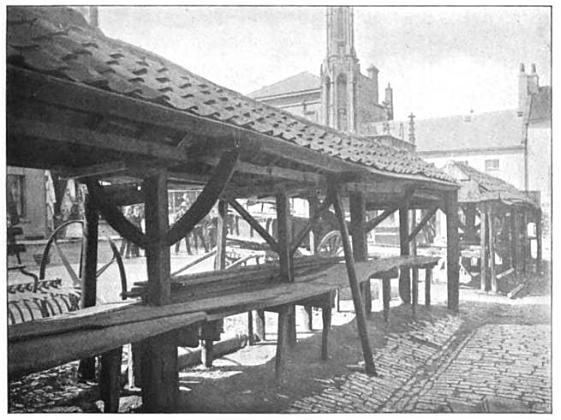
<point x="74" y="274"/>
<point x="330" y="244"/>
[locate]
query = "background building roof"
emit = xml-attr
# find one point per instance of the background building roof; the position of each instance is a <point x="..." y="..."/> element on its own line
<point x="497" y="129"/>
<point x="297" y="83"/>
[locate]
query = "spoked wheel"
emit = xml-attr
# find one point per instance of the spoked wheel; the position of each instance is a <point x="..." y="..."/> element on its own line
<point x="330" y="244"/>
<point x="74" y="270"/>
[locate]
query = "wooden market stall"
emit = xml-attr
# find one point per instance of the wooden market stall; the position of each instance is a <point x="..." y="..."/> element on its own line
<point x="131" y="125"/>
<point x="504" y="214"/>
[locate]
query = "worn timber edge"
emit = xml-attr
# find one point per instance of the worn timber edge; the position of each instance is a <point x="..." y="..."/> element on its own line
<point x="39" y="353"/>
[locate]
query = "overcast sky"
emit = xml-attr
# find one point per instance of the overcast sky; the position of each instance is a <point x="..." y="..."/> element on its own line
<point x="439" y="60"/>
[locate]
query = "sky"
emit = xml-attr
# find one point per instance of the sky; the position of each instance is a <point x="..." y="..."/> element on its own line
<point x="439" y="60"/>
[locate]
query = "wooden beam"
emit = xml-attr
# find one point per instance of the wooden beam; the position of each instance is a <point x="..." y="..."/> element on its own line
<point x="422" y="223"/>
<point x="206" y="199"/>
<point x="371" y="224"/>
<point x="124" y="194"/>
<point x="483" y="246"/>
<point x="453" y="250"/>
<point x="276" y="172"/>
<point x="254" y="224"/>
<point x="515" y="239"/>
<point x="86" y="368"/>
<point x="317" y="213"/>
<point x="100" y="169"/>
<point x="492" y="238"/>
<point x="539" y="243"/>
<point x="414" y="271"/>
<point x="110" y="379"/>
<point x="524" y="239"/>
<point x="73" y="136"/>
<point x="160" y="381"/>
<point x="387" y="186"/>
<point x="354" y="284"/>
<point x="357" y="206"/>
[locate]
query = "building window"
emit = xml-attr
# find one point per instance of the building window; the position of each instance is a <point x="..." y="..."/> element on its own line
<point x="15" y="195"/>
<point x="492" y="165"/>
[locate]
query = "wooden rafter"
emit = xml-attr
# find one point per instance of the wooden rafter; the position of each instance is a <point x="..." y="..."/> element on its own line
<point x="318" y="213"/>
<point x="254" y="224"/>
<point x="422" y="223"/>
<point x="206" y="199"/>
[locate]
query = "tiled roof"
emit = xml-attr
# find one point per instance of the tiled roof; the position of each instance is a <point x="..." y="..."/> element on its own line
<point x="478" y="186"/>
<point x="540" y="108"/>
<point x="58" y="41"/>
<point x="497" y="129"/>
<point x="293" y="84"/>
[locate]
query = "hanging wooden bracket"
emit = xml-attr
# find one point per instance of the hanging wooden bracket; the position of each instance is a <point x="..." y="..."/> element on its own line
<point x="302" y="234"/>
<point x="422" y="223"/>
<point x="207" y="198"/>
<point x="254" y="224"/>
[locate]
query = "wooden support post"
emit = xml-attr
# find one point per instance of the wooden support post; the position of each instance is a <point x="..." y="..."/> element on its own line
<point x="207" y="354"/>
<point x="386" y="296"/>
<point x="309" y="317"/>
<point x="355" y="289"/>
<point x="282" y="335"/>
<point x="250" y="333"/>
<point x="414" y="270"/>
<point x="515" y="239"/>
<point x="492" y="234"/>
<point x="428" y="280"/>
<point x="524" y="242"/>
<point x="453" y="250"/>
<point x="539" y="243"/>
<point x="326" y="318"/>
<point x="260" y="324"/>
<point x="286" y="323"/>
<point x="483" y="243"/>
<point x="469" y="232"/>
<point x="160" y="381"/>
<point x="109" y="379"/>
<point x="313" y="205"/>
<point x="404" y="281"/>
<point x="359" y="240"/>
<point x="86" y="369"/>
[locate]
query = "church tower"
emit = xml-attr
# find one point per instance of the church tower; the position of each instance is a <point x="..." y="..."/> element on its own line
<point x="340" y="72"/>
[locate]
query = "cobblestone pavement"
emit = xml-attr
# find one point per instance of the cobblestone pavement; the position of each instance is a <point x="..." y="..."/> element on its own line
<point x="492" y="358"/>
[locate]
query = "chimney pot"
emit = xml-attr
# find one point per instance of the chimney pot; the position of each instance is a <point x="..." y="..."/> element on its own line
<point x="533" y="68"/>
<point x="522" y="70"/>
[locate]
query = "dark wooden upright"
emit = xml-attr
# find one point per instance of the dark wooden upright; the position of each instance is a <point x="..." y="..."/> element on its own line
<point x="414" y="273"/>
<point x="286" y="324"/>
<point x="483" y="239"/>
<point x="515" y="239"/>
<point x="160" y="379"/>
<point x="357" y="205"/>
<point x="524" y="252"/>
<point x="404" y="276"/>
<point x="355" y="289"/>
<point x="453" y="249"/>
<point x="492" y="238"/>
<point x="89" y="275"/>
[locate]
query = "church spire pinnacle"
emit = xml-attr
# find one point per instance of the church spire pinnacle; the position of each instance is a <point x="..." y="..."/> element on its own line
<point x="340" y="31"/>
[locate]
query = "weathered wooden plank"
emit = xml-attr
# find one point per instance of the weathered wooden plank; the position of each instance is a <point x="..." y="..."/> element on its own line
<point x="428" y="281"/>
<point x="43" y="352"/>
<point x="354" y="283"/>
<point x="539" y="242"/>
<point x="453" y="250"/>
<point x="386" y="296"/>
<point x="206" y="199"/>
<point x="89" y="275"/>
<point x="221" y="234"/>
<point x="254" y="224"/>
